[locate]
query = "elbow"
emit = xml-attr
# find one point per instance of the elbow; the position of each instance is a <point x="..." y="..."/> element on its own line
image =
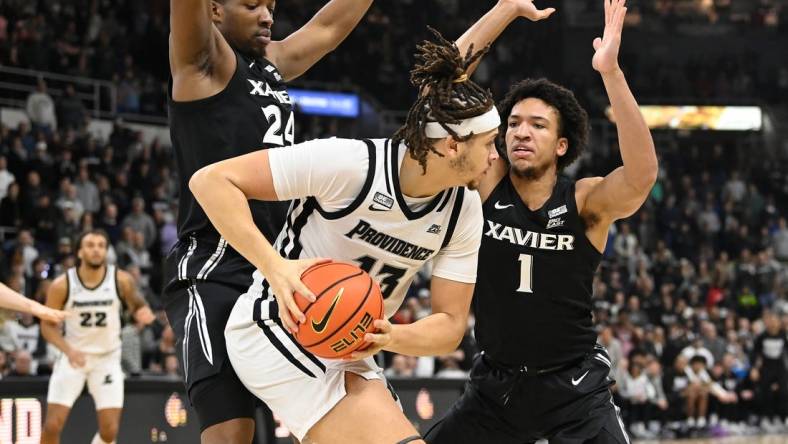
<point x="455" y="335"/>
<point x="201" y="181"/>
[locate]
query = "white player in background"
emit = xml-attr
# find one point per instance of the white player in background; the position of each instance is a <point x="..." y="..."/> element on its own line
<point x="94" y="293"/>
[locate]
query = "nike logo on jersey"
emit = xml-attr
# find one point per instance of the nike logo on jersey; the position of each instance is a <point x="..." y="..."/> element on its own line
<point x="577" y="381"/>
<point x="108" y="380"/>
<point x="372" y="207"/>
<point x="318" y="327"/>
<point x="498" y="206"/>
<point x="532" y="239"/>
<point x="261" y="88"/>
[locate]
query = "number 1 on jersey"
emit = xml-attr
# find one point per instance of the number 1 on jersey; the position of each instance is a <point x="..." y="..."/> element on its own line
<point x="526" y="273"/>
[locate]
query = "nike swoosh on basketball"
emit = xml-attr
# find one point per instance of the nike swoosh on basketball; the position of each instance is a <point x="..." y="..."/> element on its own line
<point x="575" y="382"/>
<point x="498" y="206"/>
<point x="318" y="327"/>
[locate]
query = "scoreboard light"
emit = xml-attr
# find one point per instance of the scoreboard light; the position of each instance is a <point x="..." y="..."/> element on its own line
<point x="325" y="103"/>
<point x="692" y="117"/>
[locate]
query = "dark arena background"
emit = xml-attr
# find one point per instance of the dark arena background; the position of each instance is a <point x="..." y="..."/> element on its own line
<point x="84" y="143"/>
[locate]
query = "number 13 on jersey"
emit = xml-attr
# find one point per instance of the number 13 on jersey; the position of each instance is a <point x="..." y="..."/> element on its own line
<point x="526" y="273"/>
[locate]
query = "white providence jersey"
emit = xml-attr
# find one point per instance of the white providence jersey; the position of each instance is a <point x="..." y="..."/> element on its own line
<point x="94" y="324"/>
<point x="355" y="212"/>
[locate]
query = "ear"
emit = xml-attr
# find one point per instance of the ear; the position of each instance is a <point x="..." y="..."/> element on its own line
<point x="217" y="12"/>
<point x="452" y="147"/>
<point x="563" y="146"/>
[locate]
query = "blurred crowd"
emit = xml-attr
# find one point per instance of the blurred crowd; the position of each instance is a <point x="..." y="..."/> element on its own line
<point x="125" y="42"/>
<point x="691" y="296"/>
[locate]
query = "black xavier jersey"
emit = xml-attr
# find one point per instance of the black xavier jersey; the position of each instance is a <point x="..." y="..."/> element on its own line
<point x="254" y="111"/>
<point x="533" y="292"/>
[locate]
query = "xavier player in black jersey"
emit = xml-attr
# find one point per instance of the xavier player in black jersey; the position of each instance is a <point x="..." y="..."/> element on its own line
<point x="541" y="374"/>
<point x="228" y="98"/>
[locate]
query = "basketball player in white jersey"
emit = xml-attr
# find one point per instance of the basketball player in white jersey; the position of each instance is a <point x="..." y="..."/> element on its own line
<point x="388" y="205"/>
<point x="94" y="293"/>
<point x="14" y="301"/>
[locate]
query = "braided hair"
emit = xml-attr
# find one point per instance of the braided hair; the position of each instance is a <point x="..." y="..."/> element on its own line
<point x="446" y="95"/>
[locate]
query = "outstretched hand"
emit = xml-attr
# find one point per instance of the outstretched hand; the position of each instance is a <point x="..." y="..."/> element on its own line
<point x="527" y="9"/>
<point x="606" y="56"/>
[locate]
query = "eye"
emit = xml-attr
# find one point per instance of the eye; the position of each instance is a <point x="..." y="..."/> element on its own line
<point x="512" y="124"/>
<point x="539" y="126"/>
<point x="251" y="7"/>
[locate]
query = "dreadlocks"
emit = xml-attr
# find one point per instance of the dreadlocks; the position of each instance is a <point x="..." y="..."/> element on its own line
<point x="446" y="95"/>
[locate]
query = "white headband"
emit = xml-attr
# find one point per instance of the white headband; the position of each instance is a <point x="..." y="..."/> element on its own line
<point x="476" y="125"/>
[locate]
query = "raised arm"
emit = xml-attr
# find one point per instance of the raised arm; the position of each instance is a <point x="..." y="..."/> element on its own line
<point x="192" y="36"/>
<point x="295" y="54"/>
<point x="487" y="29"/>
<point x="136" y="305"/>
<point x="623" y="191"/>
<point x="485" y="32"/>
<point x="201" y="61"/>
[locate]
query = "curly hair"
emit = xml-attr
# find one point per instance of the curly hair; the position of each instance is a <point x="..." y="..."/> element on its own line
<point x="446" y="95"/>
<point x="572" y="118"/>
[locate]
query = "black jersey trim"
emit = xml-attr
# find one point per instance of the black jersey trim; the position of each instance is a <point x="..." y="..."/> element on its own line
<point x="387" y="154"/>
<point x="300" y="222"/>
<point x="274" y="315"/>
<point x="455" y="215"/>
<point x="123" y="305"/>
<point x="103" y="278"/>
<point x="68" y="293"/>
<point x="282" y="349"/>
<point x="362" y="195"/>
<point x="410" y="214"/>
<point x="445" y="201"/>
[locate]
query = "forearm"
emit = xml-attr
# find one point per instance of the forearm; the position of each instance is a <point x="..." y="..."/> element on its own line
<point x="340" y="17"/>
<point x="53" y="335"/>
<point x="634" y="137"/>
<point x="228" y="209"/>
<point x="487" y="29"/>
<point x="14" y="301"/>
<point x="436" y="334"/>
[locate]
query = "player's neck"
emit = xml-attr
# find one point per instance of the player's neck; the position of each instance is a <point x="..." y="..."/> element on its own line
<point x="534" y="192"/>
<point x="90" y="276"/>
<point x="413" y="182"/>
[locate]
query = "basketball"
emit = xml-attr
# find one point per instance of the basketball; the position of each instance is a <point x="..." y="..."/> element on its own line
<point x="348" y="300"/>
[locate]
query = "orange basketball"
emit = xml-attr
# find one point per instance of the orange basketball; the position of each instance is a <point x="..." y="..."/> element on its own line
<point x="348" y="300"/>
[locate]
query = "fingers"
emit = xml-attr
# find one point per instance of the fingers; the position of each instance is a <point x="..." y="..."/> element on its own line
<point x="607" y="11"/>
<point x="597" y="43"/>
<point x="544" y="13"/>
<point x="293" y="314"/>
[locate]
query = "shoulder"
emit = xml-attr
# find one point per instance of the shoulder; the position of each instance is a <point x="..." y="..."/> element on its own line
<point x="123" y="278"/>
<point x="60" y="284"/>
<point x="583" y="188"/>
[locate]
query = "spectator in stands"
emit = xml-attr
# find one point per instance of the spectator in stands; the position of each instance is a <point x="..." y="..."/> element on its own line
<point x="87" y="192"/>
<point x="11" y="207"/>
<point x="23" y="365"/>
<point x="4" y="370"/>
<point x="71" y="111"/>
<point x="401" y="366"/>
<point x="41" y="108"/>
<point x="770" y="358"/>
<point x="6" y="177"/>
<point x="141" y="221"/>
